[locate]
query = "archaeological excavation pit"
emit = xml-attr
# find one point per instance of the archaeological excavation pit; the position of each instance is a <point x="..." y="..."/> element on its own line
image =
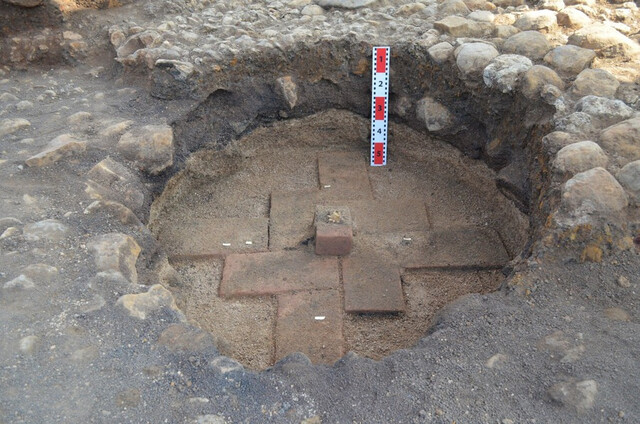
<point x="238" y="224"/>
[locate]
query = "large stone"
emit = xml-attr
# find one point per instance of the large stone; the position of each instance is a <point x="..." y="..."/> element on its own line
<point x="505" y="31"/>
<point x="116" y="252"/>
<point x="42" y="273"/>
<point x="580" y="157"/>
<point x="572" y="18"/>
<point x="9" y="221"/>
<point x="410" y="9"/>
<point x="143" y="304"/>
<point x="184" y="338"/>
<point x="472" y="58"/>
<point x="433" y="114"/>
<point x="453" y="7"/>
<point x="629" y="177"/>
<point x="458" y="26"/>
<point x="62" y="146"/>
<point x="21" y="282"/>
<point x="596" y="82"/>
<point x="48" y="229"/>
<point x="576" y="123"/>
<point x="551" y="4"/>
<point x="505" y="70"/>
<point x="482" y="16"/>
<point x="9" y="126"/>
<point x="537" y="20"/>
<point x="607" y="41"/>
<point x="288" y="90"/>
<point x="441" y="52"/>
<point x="570" y="59"/>
<point x="538" y="77"/>
<point x="579" y="396"/>
<point x="532" y="44"/>
<point x="151" y="147"/>
<point x="593" y="192"/>
<point x="113" y="210"/>
<point x="556" y="140"/>
<point x="312" y="10"/>
<point x="606" y="111"/>
<point x="622" y="138"/>
<point x="172" y="79"/>
<point x="110" y="180"/>
<point x="346" y="4"/>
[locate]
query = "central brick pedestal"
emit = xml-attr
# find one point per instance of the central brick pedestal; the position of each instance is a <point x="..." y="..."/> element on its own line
<point x="334" y="231"/>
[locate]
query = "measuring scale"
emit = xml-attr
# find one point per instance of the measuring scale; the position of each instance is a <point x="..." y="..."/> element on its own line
<point x="379" y="105"/>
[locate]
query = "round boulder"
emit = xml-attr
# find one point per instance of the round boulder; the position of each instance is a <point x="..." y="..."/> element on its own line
<point x="472" y="58"/>
<point x="593" y="192"/>
<point x="505" y="70"/>
<point x="629" y="177"/>
<point x="570" y="59"/>
<point x="597" y="82"/>
<point x="579" y="157"/>
<point x="532" y="44"/>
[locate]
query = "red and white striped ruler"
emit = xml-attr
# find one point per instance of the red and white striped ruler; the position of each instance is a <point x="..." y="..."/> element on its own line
<point x="379" y="105"/>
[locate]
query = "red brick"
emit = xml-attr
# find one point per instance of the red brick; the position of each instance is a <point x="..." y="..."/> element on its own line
<point x="298" y="330"/>
<point x="291" y="217"/>
<point x="267" y="273"/>
<point x="333" y="239"/>
<point x="346" y="174"/>
<point x="205" y="236"/>
<point x="388" y="215"/>
<point x="471" y="247"/>
<point x="371" y="284"/>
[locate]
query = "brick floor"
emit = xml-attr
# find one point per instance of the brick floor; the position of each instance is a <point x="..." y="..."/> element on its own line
<point x="298" y="330"/>
<point x="268" y="273"/>
<point x="346" y="174"/>
<point x="210" y="237"/>
<point x="291" y="217"/>
<point x="389" y="215"/>
<point x="371" y="283"/>
<point x="476" y="248"/>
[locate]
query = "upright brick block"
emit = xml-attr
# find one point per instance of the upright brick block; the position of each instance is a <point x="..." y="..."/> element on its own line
<point x="334" y="232"/>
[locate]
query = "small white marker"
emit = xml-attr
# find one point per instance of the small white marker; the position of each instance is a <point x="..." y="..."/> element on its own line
<point x="248" y="242"/>
<point x="226" y="244"/>
<point x="406" y="238"/>
<point x="327" y="186"/>
<point x="320" y="318"/>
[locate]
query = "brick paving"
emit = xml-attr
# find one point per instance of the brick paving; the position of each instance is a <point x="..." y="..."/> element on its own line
<point x="216" y="237"/>
<point x="371" y="284"/>
<point x="471" y="247"/>
<point x="268" y="273"/>
<point x="386" y="235"/>
<point x="343" y="175"/>
<point x="310" y="322"/>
